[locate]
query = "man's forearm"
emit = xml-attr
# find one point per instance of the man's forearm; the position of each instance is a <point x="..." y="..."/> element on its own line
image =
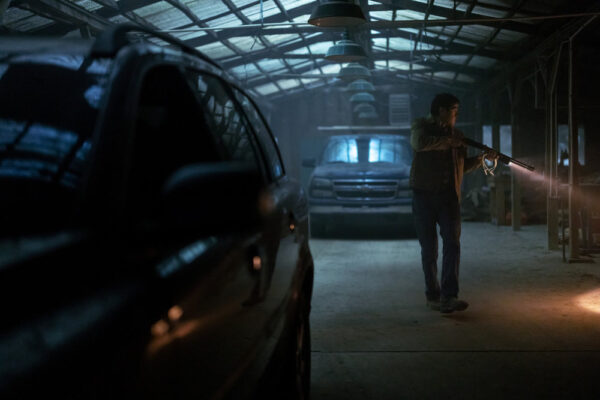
<point x="471" y="164"/>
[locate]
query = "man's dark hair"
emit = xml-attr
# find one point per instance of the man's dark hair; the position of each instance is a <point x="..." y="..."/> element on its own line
<point x="445" y="100"/>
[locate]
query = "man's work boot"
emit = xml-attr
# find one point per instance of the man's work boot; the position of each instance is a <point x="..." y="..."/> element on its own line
<point x="433" y="304"/>
<point x="451" y="304"/>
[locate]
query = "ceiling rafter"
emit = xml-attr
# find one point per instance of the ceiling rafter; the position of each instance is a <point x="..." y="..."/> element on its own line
<point x="302" y="37"/>
<point x="427" y="13"/>
<point x="450" y="14"/>
<point x="516" y="5"/>
<point x="326" y="36"/>
<point x="194" y="18"/>
<point x="298" y="71"/>
<point x="74" y="14"/>
<point x="403" y="55"/>
<point x="67" y="12"/>
<point x="245" y="31"/>
<point x="457" y="31"/>
<point x="266" y="43"/>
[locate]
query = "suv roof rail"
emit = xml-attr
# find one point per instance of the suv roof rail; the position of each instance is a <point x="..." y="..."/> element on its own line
<point x="110" y="41"/>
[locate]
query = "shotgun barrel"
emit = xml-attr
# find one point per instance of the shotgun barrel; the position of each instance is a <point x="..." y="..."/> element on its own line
<point x="502" y="157"/>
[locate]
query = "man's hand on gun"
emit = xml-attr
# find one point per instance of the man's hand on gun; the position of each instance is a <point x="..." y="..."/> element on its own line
<point x="491" y="155"/>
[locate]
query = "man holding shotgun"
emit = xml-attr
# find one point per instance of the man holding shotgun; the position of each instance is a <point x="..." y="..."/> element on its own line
<point x="436" y="175"/>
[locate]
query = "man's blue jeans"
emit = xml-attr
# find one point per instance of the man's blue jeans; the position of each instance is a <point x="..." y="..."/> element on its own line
<point x="443" y="209"/>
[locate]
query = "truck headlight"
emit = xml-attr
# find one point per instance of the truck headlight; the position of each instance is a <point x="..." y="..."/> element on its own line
<point x="321" y="183"/>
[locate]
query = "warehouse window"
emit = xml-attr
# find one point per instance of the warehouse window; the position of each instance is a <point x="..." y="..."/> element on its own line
<point x="505" y="138"/>
<point x="487" y="135"/>
<point x="563" y="144"/>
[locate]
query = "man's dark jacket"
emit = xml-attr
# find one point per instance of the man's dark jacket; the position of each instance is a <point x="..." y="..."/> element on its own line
<point x="436" y="164"/>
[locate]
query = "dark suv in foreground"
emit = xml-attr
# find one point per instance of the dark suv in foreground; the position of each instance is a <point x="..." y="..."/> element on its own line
<point x="151" y="244"/>
<point x="361" y="180"/>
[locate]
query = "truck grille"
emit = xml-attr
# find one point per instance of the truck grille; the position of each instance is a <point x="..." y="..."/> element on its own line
<point x="365" y="189"/>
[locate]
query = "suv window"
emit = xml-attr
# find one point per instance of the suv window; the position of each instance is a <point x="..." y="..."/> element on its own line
<point x="48" y="110"/>
<point x="170" y="133"/>
<point x="223" y="118"/>
<point x="264" y="136"/>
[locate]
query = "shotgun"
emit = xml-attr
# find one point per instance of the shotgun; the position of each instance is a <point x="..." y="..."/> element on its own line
<point x="502" y="157"/>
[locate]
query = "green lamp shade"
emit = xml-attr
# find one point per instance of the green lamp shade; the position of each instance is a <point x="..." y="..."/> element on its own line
<point x="345" y="50"/>
<point x="354" y="71"/>
<point x="362" y="97"/>
<point x="360" y="85"/>
<point x="337" y="14"/>
<point x="364" y="107"/>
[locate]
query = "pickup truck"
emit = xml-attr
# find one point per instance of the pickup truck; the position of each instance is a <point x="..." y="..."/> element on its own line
<point x="361" y="180"/>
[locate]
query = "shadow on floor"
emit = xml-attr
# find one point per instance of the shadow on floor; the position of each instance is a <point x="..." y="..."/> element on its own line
<point x="366" y="232"/>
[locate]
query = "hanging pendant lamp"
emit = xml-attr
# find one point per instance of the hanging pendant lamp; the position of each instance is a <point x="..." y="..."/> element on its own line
<point x="360" y="85"/>
<point x="363" y="107"/>
<point x="362" y="97"/>
<point x="337" y="14"/>
<point x="345" y="50"/>
<point x="354" y="71"/>
<point x="367" y="115"/>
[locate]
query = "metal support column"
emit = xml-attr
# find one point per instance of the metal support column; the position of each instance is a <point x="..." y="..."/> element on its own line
<point x="514" y="95"/>
<point x="574" y="193"/>
<point x="552" y="154"/>
<point x="500" y="200"/>
<point x="573" y="164"/>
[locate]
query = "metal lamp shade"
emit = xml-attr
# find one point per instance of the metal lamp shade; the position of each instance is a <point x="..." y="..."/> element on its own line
<point x="362" y="97"/>
<point x="367" y="115"/>
<point x="360" y="85"/>
<point x="336" y="14"/>
<point x="345" y="51"/>
<point x="364" y="107"/>
<point x="354" y="71"/>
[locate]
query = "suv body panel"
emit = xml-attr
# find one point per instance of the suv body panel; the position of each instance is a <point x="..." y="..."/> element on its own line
<point x="128" y="279"/>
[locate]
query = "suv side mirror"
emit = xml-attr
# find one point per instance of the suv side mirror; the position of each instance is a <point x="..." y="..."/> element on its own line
<point x="213" y="198"/>
<point x="309" y="162"/>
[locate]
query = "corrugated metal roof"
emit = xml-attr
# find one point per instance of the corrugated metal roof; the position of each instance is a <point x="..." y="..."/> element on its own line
<point x="163" y="15"/>
<point x="449" y="53"/>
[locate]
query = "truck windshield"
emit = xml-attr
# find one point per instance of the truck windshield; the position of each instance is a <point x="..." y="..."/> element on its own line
<point x="48" y="109"/>
<point x="367" y="149"/>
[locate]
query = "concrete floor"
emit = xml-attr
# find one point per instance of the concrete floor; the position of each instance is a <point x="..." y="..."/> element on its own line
<point x="526" y="335"/>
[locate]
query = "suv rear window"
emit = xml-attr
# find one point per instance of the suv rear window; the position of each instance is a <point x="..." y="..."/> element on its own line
<point x="48" y="109"/>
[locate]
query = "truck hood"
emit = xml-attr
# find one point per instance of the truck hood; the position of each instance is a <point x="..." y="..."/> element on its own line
<point x="362" y="171"/>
